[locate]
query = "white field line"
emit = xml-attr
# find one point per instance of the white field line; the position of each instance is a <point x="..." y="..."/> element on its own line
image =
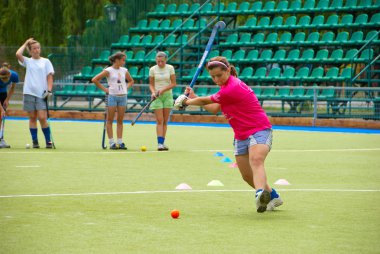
<point x="197" y="151"/>
<point x="174" y="191"/>
<point x="31" y="166"/>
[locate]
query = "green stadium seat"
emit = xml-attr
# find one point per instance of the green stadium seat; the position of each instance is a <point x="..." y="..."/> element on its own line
<point x="290" y="22"/>
<point x="268" y="93"/>
<point x="252" y="56"/>
<point x="301" y="74"/>
<point x="96" y="71"/>
<point x="65" y="91"/>
<point x="279" y="55"/>
<point x="365" y="3"/>
<point x="135" y="40"/>
<point x="204" y="75"/>
<point x="271" y="39"/>
<point x="346" y="21"/>
<point x="182" y="39"/>
<point x="360" y="20"/>
<point x="341" y="38"/>
<point x="200" y="24"/>
<point x="326" y="94"/>
<point x="143" y="72"/>
<point x="293" y="56"/>
<point x="356" y="38"/>
<point x="249" y="24"/>
<point x="295" y="6"/>
<point x="176" y="23"/>
<point x="331" y="74"/>
<point x="232" y="39"/>
<point x="218" y="8"/>
<point x="277" y="22"/>
<point x="322" y="56"/>
<point x="79" y="90"/>
<point x="274" y="74"/>
<point x="307" y="55"/>
<point x="158" y="39"/>
<point x="309" y="94"/>
<point x="309" y="5"/>
<point x="213" y="53"/>
<point x="151" y="58"/>
<point x="170" y="41"/>
<point x="269" y="7"/>
<point x="297" y="93"/>
<point x="258" y="38"/>
<point x="182" y="9"/>
<point x="227" y="54"/>
<point x="133" y="71"/>
<point x="346" y="74"/>
<point x="304" y="22"/>
<point x="375" y="20"/>
<point x="317" y="22"/>
<point x="245" y="39"/>
<point x="141" y="25"/>
<point x="243" y="8"/>
<point x="160" y="8"/>
<point x="256" y="90"/>
<point x="85" y="73"/>
<point x="350" y="55"/>
<point x="336" y="55"/>
<point x="246" y="73"/>
<point x="238" y="56"/>
<point x="164" y="25"/>
<point x="298" y="38"/>
<point x="103" y="58"/>
<point x="283" y="93"/>
<point x="366" y="55"/>
<point x="327" y="38"/>
<point x="288" y="73"/>
<point x="193" y="8"/>
<point x="316" y="75"/>
<point x="263" y="23"/>
<point x="372" y="35"/>
<point x="336" y="4"/>
<point x="188" y="25"/>
<point x="332" y="21"/>
<point x="177" y="91"/>
<point x="146" y="41"/>
<point x="170" y="9"/>
<point x="153" y="25"/>
<point x="139" y="56"/>
<point x="256" y="7"/>
<point x="129" y="54"/>
<point x="231" y="8"/>
<point x="285" y="38"/>
<point x="282" y="6"/>
<point x="207" y="9"/>
<point x="266" y="55"/>
<point x="190" y="74"/>
<point x="123" y="41"/>
<point x="350" y="5"/>
<point x="312" y="38"/>
<point x="322" y="5"/>
<point x="260" y="73"/>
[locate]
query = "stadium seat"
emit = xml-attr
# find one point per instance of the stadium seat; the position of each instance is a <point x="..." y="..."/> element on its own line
<point x="249" y="24"/>
<point x="170" y="41"/>
<point x="103" y="58"/>
<point x="269" y="7"/>
<point x="322" y="56"/>
<point x="288" y="73"/>
<point x="177" y="91"/>
<point x="303" y="22"/>
<point x="282" y="6"/>
<point x="295" y="6"/>
<point x="158" y="39"/>
<point x="164" y="25"/>
<point x="267" y="93"/>
<point x="200" y="23"/>
<point x="327" y="93"/>
<point x="336" y="5"/>
<point x="346" y="21"/>
<point x="271" y="39"/>
<point x="276" y="22"/>
<point x="322" y="5"/>
<point x="331" y="74"/>
<point x="243" y="8"/>
<point x="307" y="55"/>
<point x="375" y="20"/>
<point x="123" y="41"/>
<point x="170" y="9"/>
<point x="85" y="73"/>
<point x="341" y="38"/>
<point x="317" y="22"/>
<point x="207" y="9"/>
<point x="193" y="8"/>
<point x="260" y="73"/>
<point x="182" y="39"/>
<point x="96" y="71"/>
<point x="146" y="41"/>
<point x="327" y="38"/>
<point x="141" y="25"/>
<point x="351" y="54"/>
<point x="175" y="24"/>
<point x="316" y="75"/>
<point x="350" y="5"/>
<point x="129" y="54"/>
<point x="312" y="38"/>
<point x="263" y="23"/>
<point x="135" y="40"/>
<point x="283" y="93"/>
<point x="293" y="56"/>
<point x="238" y="56"/>
<point x="336" y="55"/>
<point x="360" y="21"/>
<point x="298" y="38"/>
<point x="202" y="91"/>
<point x="232" y="39"/>
<point x="252" y="56"/>
<point x="356" y="38"/>
<point x="256" y="90"/>
<point x="290" y="22"/>
<point x="279" y="55"/>
<point x="227" y="54"/>
<point x="301" y="74"/>
<point x="213" y="53"/>
<point x="266" y="55"/>
<point x="372" y="35"/>
<point x="258" y="38"/>
<point x="297" y="93"/>
<point x="246" y="73"/>
<point x="182" y="10"/>
<point x="230" y="9"/>
<point x="160" y="8"/>
<point x="188" y="25"/>
<point x="332" y="21"/>
<point x="309" y="5"/>
<point x="285" y="38"/>
<point x="245" y="39"/>
<point x="256" y="7"/>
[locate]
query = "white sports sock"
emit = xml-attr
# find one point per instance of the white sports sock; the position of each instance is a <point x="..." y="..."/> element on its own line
<point x="111" y="141"/>
<point x="119" y="141"/>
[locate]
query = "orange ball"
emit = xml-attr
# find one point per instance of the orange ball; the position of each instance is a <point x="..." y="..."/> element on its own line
<point x="175" y="214"/>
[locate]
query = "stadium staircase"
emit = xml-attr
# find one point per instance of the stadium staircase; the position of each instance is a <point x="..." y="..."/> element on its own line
<point x="284" y="50"/>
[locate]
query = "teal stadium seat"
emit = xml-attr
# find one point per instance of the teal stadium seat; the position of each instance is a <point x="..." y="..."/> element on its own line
<point x="360" y="21"/>
<point x="243" y="8"/>
<point x="375" y="20"/>
<point x="303" y="22"/>
<point x="309" y="5"/>
<point x="317" y="22"/>
<point x="158" y="39"/>
<point x="249" y="24"/>
<point x="246" y="73"/>
<point x="230" y="9"/>
<point x="336" y="5"/>
<point x="283" y="93"/>
<point x="175" y="24"/>
<point x="266" y="55"/>
<point x="245" y="39"/>
<point x="182" y="10"/>
<point x="279" y="55"/>
<point x="316" y="75"/>
<point x="322" y="56"/>
<point x="123" y="42"/>
<point x="160" y="8"/>
<point x="232" y="39"/>
<point x="307" y="55"/>
<point x="290" y="22"/>
<point x="103" y="57"/>
<point x="227" y="54"/>
<point x="260" y="73"/>
<point x="299" y="38"/>
<point x="135" y="40"/>
<point x="293" y="56"/>
<point x="350" y="5"/>
<point x="146" y="41"/>
<point x="207" y="9"/>
<point x="277" y="22"/>
<point x="193" y="8"/>
<point x="164" y="25"/>
<point x="258" y="38"/>
<point x="170" y="10"/>
<point x="269" y="7"/>
<point x="257" y="90"/>
<point x="85" y="73"/>
<point x="346" y="21"/>
<point x="256" y="7"/>
<point x="271" y="39"/>
<point x="312" y="39"/>
<point x="65" y="91"/>
<point x="336" y="55"/>
<point x="295" y="6"/>
<point x="341" y="38"/>
<point x="170" y="41"/>
<point x="326" y="94"/>
<point x="322" y="5"/>
<point x="327" y="38"/>
<point x="263" y="23"/>
<point x="285" y="38"/>
<point x="252" y="56"/>
<point x="238" y="56"/>
<point x="282" y="6"/>
<point x="332" y="21"/>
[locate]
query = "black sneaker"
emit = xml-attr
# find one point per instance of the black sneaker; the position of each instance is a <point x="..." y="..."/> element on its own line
<point x="35" y="144"/>
<point x="49" y="145"/>
<point x="114" y="147"/>
<point x="122" y="146"/>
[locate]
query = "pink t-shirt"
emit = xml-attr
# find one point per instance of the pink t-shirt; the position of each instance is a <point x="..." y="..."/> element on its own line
<point x="241" y="108"/>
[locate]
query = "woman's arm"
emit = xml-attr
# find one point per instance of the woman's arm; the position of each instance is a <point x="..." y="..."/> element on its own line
<point x="173" y="83"/>
<point x="20" y="51"/>
<point x="206" y="101"/>
<point x="97" y="78"/>
<point x="130" y="80"/>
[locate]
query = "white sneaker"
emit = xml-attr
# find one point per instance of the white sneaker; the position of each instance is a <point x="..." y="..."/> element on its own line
<point x="262" y="200"/>
<point x="4" y="144"/>
<point x="276" y="202"/>
<point x="162" y="147"/>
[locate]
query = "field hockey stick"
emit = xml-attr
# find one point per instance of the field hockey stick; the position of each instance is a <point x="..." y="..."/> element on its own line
<point x="220" y="25"/>
<point x="2" y="126"/>
<point x="104" y="146"/>
<point x="48" y="120"/>
<point x="142" y="111"/>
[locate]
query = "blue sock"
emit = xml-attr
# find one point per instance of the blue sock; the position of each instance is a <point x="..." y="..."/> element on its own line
<point x="258" y="190"/>
<point x="46" y="132"/>
<point x="160" y="140"/>
<point x="33" y="132"/>
<point x="273" y="194"/>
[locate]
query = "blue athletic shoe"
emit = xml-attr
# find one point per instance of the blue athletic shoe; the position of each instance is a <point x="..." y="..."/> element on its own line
<point x="114" y="147"/>
<point x="122" y="146"/>
<point x="262" y="200"/>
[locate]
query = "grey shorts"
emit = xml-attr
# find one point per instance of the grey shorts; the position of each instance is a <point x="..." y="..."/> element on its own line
<point x="261" y="137"/>
<point x="32" y="103"/>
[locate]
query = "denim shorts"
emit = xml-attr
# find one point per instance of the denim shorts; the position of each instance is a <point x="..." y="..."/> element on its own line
<point x="32" y="103"/>
<point x="117" y="100"/>
<point x="261" y="137"/>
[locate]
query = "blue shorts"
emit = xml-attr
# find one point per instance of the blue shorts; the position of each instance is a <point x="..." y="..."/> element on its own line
<point x="117" y="100"/>
<point x="241" y="147"/>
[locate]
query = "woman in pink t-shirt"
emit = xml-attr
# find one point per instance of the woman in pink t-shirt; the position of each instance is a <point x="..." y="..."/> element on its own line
<point x="251" y="126"/>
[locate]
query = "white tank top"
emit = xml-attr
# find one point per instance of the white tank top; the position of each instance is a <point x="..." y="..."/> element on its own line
<point x="116" y="80"/>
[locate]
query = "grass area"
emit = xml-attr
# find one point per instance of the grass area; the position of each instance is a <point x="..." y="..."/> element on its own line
<point x="120" y="201"/>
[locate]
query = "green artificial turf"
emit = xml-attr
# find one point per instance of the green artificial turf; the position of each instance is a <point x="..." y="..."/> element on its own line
<point x="120" y="201"/>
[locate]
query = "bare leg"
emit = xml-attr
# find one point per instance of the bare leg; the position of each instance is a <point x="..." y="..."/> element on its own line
<point x="159" y="122"/>
<point x="110" y="117"/>
<point x="120" y="118"/>
<point x="257" y="155"/>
